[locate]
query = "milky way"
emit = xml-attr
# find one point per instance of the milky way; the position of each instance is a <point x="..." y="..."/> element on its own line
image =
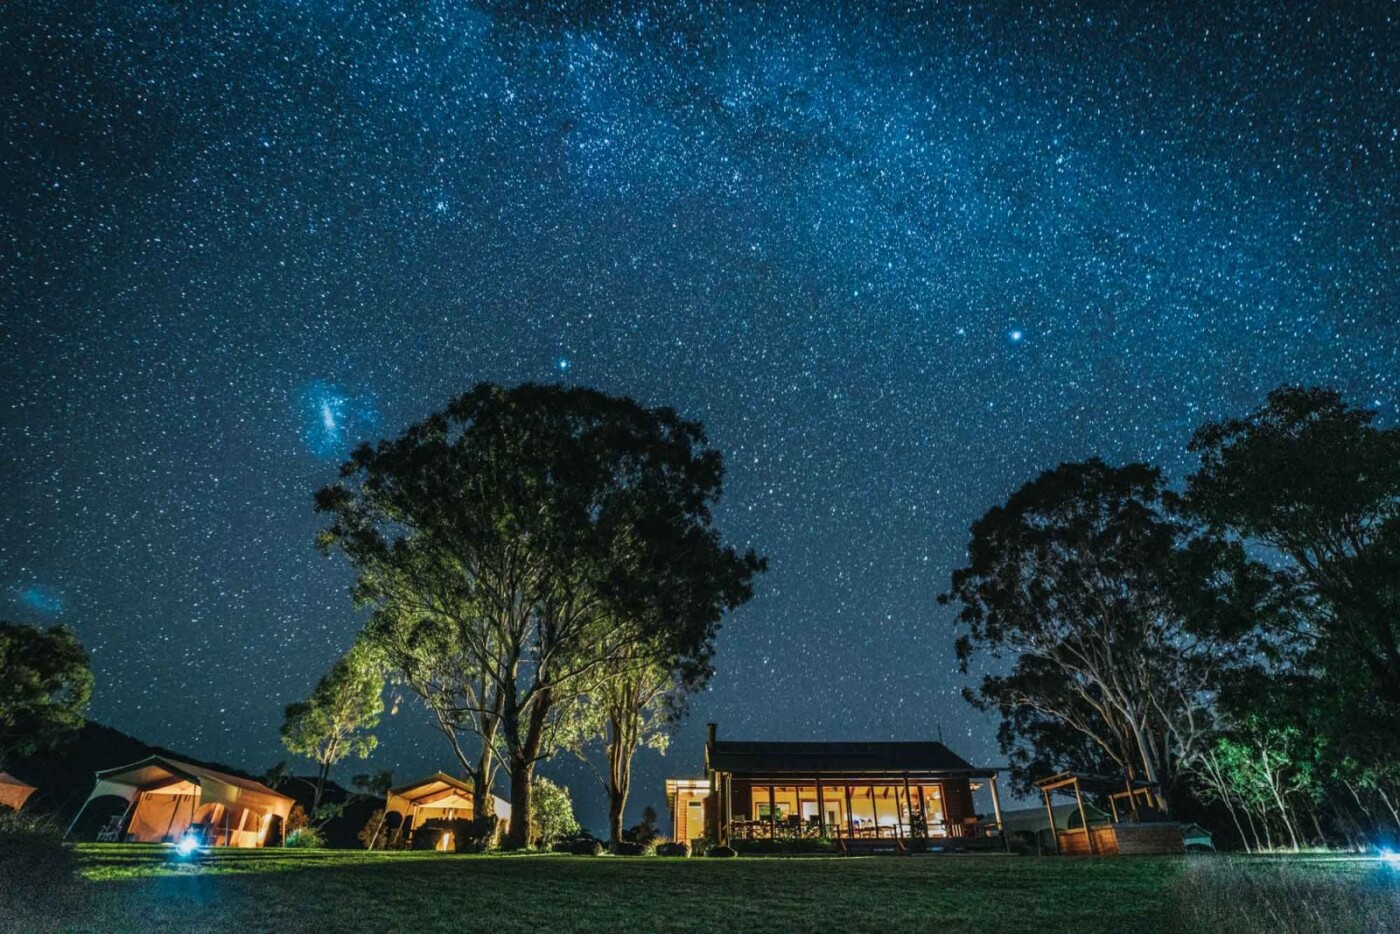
<point x="897" y="258"/>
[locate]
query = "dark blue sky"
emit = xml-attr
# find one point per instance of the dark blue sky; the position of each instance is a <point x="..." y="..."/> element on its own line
<point x="897" y="257"/>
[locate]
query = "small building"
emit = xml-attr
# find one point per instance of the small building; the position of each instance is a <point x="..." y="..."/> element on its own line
<point x="843" y="791"/>
<point x="1034" y="825"/>
<point x="1138" y="826"/>
<point x="438" y="797"/>
<point x="166" y="799"/>
<point x="13" y="792"/>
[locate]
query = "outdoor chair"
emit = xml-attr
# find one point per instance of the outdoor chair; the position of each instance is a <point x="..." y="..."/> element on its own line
<point x="111" y="831"/>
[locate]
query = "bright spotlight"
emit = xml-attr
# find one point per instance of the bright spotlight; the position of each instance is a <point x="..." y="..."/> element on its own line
<point x="1391" y="858"/>
<point x="187" y="845"/>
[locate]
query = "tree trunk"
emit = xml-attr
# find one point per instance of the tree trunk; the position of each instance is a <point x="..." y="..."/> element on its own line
<point x="524" y="752"/>
<point x="620" y="751"/>
<point x="522" y="774"/>
<point x="484" y="780"/>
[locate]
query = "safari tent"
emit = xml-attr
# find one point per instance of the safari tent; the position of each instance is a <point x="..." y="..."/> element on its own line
<point x="166" y="799"/>
<point x="437" y="797"/>
<point x="13" y="792"/>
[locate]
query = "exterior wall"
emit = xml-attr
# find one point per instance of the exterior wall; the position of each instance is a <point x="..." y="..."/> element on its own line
<point x="957" y="802"/>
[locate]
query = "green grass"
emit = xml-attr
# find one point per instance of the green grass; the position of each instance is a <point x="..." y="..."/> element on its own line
<point x="136" y="888"/>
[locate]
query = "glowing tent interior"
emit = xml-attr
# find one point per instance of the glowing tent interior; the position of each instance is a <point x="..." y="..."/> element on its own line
<point x="13" y="792"/>
<point x="166" y="799"/>
<point x="437" y="797"/>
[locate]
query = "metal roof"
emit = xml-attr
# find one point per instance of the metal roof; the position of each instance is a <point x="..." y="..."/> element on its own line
<point x="836" y="758"/>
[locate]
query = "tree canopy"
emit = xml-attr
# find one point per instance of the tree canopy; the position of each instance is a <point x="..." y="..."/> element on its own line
<point x="532" y="534"/>
<point x="337" y="719"/>
<point x="45" y="686"/>
<point x="1318" y="482"/>
<point x="1115" y="618"/>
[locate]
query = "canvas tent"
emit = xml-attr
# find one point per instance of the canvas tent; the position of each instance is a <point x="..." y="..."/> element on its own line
<point x="437" y="797"/>
<point x="165" y="798"/>
<point x="1034" y="823"/>
<point x="13" y="792"/>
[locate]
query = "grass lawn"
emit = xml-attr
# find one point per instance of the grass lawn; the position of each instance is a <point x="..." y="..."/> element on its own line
<point x="135" y="888"/>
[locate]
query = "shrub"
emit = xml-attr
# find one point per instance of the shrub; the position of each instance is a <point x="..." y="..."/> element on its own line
<point x="374" y="835"/>
<point x="722" y="852"/>
<point x="673" y="849"/>
<point x="644" y="832"/>
<point x="629" y="848"/>
<point x="551" y="813"/>
<point x="785" y="847"/>
<point x="35" y="862"/>
<point x="589" y="847"/>
<point x="304" y="838"/>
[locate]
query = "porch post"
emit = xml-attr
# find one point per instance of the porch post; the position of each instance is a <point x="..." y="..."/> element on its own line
<point x="1083" y="819"/>
<point x="874" y="811"/>
<point x="1054" y="834"/>
<point x="909" y="808"/>
<point x="821" y="809"/>
<point x="850" y="818"/>
<point x="772" y="816"/>
<point x="728" y="779"/>
<point x="996" y="809"/>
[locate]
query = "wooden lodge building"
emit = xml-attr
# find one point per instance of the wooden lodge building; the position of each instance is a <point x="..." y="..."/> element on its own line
<point x="848" y="792"/>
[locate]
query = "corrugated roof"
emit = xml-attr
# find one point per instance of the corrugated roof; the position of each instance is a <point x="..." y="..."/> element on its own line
<point x="740" y="756"/>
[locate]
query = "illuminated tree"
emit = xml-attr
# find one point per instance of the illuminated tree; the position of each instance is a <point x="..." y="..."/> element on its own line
<point x="529" y="532"/>
<point x="1115" y="618"/>
<point x="336" y="720"/>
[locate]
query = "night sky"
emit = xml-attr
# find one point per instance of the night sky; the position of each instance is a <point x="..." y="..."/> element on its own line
<point x="898" y="259"/>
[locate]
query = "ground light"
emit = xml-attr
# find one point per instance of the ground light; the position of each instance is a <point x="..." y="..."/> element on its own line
<point x="187" y="848"/>
<point x="1391" y="858"/>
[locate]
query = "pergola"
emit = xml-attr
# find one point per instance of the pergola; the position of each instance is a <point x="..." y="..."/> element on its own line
<point x="1124" y="789"/>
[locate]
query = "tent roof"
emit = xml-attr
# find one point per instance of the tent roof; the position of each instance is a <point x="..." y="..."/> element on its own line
<point x="1035" y="820"/>
<point x="441" y="781"/>
<point x="13" y="792"/>
<point x="158" y="770"/>
<point x="851" y="758"/>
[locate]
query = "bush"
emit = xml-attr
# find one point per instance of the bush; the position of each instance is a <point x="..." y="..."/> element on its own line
<point x="580" y="844"/>
<point x="644" y="832"/>
<point x="673" y="849"/>
<point x="304" y="838"/>
<point x="35" y="862"/>
<point x="374" y="835"/>
<point x="722" y="852"/>
<point x="629" y="848"/>
<point x="551" y="813"/>
<point x="785" y="847"/>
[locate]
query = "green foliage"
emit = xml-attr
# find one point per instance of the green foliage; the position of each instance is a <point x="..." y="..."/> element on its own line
<point x="374" y="835"/>
<point x="305" y="838"/>
<point x="531" y="523"/>
<point x="552" y="816"/>
<point x="336" y="720"/>
<point x="644" y="831"/>
<point x="45" y="685"/>
<point x="1118" y="620"/>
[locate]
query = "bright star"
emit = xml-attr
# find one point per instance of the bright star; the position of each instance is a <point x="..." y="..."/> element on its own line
<point x="1016" y="336"/>
<point x="564" y="364"/>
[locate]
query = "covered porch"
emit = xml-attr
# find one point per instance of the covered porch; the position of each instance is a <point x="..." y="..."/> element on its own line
<point x="915" y="792"/>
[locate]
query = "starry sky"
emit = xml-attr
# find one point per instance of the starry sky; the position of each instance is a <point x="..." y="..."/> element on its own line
<point x="897" y="257"/>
